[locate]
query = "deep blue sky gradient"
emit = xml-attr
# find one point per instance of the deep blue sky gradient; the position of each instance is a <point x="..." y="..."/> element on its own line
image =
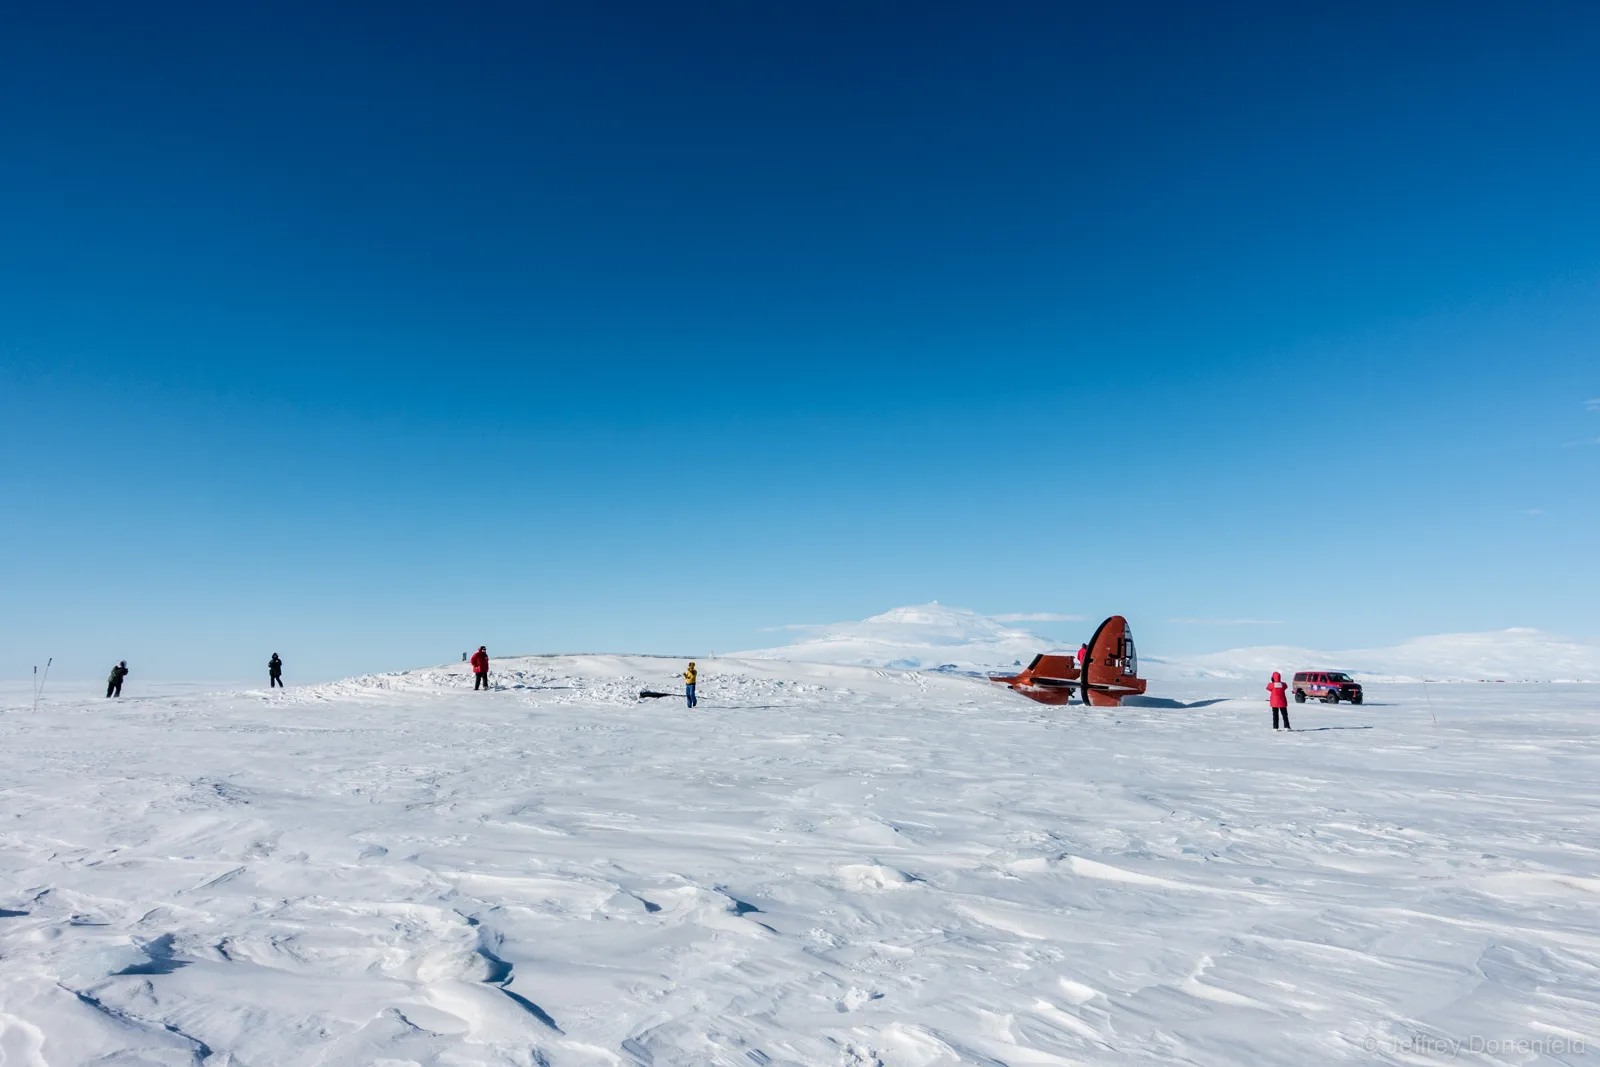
<point x="373" y="335"/>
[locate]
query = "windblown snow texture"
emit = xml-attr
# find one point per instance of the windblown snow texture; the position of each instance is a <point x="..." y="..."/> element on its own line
<point x="820" y="866"/>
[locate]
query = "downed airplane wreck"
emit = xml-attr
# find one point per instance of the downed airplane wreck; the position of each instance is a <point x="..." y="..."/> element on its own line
<point x="1110" y="671"/>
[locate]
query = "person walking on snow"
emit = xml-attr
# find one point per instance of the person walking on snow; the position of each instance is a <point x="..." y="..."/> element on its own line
<point x="688" y="684"/>
<point x="1278" y="697"/>
<point x="274" y="672"/>
<point x="114" y="683"/>
<point x="480" y="668"/>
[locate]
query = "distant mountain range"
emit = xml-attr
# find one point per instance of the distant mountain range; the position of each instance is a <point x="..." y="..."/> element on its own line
<point x="1496" y="655"/>
<point x="912" y="638"/>
<point x="929" y="636"/>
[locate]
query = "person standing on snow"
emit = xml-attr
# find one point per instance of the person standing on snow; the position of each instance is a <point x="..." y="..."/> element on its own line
<point x="689" y="677"/>
<point x="274" y="672"/>
<point x="1083" y="655"/>
<point x="480" y="668"/>
<point x="114" y="683"/>
<point x="1278" y="697"/>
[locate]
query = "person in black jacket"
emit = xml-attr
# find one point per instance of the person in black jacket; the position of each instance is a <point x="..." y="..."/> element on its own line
<point x="114" y="683"/>
<point x="275" y="672"/>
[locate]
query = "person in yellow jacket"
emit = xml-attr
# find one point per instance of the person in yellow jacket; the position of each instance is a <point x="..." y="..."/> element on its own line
<point x="689" y="677"/>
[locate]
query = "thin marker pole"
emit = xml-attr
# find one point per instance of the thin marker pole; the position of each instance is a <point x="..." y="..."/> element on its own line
<point x="39" y="689"/>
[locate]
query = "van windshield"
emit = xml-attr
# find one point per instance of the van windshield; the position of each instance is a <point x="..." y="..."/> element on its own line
<point x="1337" y="677"/>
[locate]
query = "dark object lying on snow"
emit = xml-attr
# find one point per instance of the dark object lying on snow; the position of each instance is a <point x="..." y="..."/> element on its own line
<point x="651" y="694"/>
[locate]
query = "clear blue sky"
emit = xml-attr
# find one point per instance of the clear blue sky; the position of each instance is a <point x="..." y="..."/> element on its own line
<point x="370" y="335"/>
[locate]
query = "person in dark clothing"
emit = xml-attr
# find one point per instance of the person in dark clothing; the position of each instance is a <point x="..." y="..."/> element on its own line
<point x="1278" y="697"/>
<point x="114" y="683"/>
<point x="275" y="672"/>
<point x="480" y="669"/>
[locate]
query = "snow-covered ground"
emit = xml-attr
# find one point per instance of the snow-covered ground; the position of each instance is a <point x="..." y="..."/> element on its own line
<point x="822" y="865"/>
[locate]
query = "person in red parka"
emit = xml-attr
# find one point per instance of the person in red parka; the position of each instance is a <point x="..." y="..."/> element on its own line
<point x="480" y="669"/>
<point x="1278" y="696"/>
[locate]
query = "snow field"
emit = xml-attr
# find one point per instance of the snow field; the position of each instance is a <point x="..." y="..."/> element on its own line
<point x="820" y="865"/>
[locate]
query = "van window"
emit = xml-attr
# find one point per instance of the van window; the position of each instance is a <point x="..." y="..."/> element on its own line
<point x="1321" y="679"/>
<point x="1338" y="677"/>
<point x="1300" y="677"/>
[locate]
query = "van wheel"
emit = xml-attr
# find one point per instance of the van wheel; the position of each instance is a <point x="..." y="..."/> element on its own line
<point x="1331" y="697"/>
<point x="1356" y="699"/>
<point x="1299" y="696"/>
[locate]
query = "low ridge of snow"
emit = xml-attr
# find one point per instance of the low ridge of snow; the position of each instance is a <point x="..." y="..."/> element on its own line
<point x="922" y="636"/>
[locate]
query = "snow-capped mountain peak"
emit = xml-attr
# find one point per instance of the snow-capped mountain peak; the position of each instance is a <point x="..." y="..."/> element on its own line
<point x="912" y="637"/>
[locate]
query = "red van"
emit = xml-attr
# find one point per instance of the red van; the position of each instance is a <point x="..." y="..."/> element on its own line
<point x="1327" y="686"/>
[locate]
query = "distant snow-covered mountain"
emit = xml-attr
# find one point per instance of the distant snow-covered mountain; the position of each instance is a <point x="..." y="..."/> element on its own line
<point x="933" y="635"/>
<point x="1498" y="655"/>
<point x="911" y="638"/>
